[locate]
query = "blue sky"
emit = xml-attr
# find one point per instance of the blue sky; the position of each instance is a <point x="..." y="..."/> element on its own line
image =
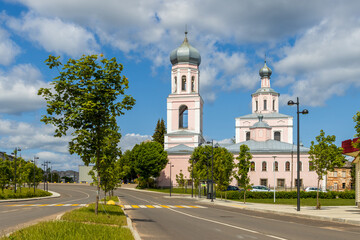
<point x="311" y="46"/>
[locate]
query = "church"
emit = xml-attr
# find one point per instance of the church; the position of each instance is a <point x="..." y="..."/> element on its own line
<point x="267" y="132"/>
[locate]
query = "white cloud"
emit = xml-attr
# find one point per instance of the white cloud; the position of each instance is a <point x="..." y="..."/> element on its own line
<point x="128" y="141"/>
<point x="19" y="87"/>
<point x="60" y="162"/>
<point x="55" y="35"/>
<point x="8" y="48"/>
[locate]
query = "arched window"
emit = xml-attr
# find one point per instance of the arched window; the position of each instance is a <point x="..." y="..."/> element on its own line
<point x="252" y="166"/>
<point x="276" y="166"/>
<point x="287" y="166"/>
<point x="183" y="116"/>
<point x="277" y="136"/>
<point x="264" y="166"/>
<point x="193" y="84"/>
<point x="247" y="136"/>
<point x="183" y="83"/>
<point x="265" y="103"/>
<point x="175" y="84"/>
<point x="300" y="166"/>
<point x="256" y="106"/>
<point x="274" y="105"/>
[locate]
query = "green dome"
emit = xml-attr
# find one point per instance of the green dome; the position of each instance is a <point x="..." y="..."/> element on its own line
<point x="185" y="54"/>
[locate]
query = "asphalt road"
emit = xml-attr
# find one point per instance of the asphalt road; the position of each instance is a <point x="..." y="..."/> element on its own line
<point x="14" y="217"/>
<point x="218" y="222"/>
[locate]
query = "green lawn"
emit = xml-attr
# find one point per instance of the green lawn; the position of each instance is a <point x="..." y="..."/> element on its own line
<point x="305" y="201"/>
<point x="24" y="193"/>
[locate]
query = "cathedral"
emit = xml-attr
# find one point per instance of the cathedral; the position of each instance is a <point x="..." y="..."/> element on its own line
<point x="267" y="132"/>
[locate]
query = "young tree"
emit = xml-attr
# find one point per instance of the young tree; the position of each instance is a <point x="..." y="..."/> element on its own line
<point x="85" y="100"/>
<point x="180" y="179"/>
<point x="325" y="156"/>
<point x="243" y="167"/>
<point x="357" y="129"/>
<point x="150" y="159"/>
<point x="5" y="173"/>
<point x="126" y="166"/>
<point x="160" y="131"/>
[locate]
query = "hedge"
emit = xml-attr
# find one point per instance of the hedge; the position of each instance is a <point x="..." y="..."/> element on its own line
<point x="286" y="195"/>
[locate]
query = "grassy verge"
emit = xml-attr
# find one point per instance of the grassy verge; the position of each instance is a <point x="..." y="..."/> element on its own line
<point x="114" y="198"/>
<point x="25" y="193"/>
<point x="304" y="201"/>
<point x="80" y="224"/>
<point x="173" y="190"/>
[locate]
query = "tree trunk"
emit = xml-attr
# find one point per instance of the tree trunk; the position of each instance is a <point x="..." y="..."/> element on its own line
<point x="98" y="181"/>
<point x="105" y="198"/>
<point x="317" y="196"/>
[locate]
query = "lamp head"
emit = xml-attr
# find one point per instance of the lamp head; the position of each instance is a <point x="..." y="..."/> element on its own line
<point x="305" y="111"/>
<point x="291" y="102"/>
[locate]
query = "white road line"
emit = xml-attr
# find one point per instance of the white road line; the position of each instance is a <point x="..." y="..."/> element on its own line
<point x="127" y="206"/>
<point x="83" y="205"/>
<point x="199" y="206"/>
<point x="67" y="205"/>
<point x="228" y="225"/>
<point x="184" y="206"/>
<point x="157" y="206"/>
<point x="143" y="206"/>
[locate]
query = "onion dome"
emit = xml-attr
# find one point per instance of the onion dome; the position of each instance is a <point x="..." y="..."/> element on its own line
<point x="265" y="71"/>
<point x="185" y="54"/>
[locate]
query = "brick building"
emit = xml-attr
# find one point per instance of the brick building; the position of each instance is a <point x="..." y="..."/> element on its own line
<point x="340" y="178"/>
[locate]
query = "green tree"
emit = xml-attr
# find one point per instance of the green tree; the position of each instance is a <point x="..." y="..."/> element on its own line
<point x="126" y="166"/>
<point x="150" y="159"/>
<point x="243" y="167"/>
<point x="85" y="99"/>
<point x="180" y="179"/>
<point x="5" y="173"/>
<point x="160" y="131"/>
<point x="325" y="156"/>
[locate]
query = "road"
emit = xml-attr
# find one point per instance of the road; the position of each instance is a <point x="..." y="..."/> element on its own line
<point x="157" y="216"/>
<point x="24" y="213"/>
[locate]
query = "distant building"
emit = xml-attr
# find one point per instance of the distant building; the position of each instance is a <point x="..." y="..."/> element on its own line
<point x="68" y="173"/>
<point x="340" y="178"/>
<point x="84" y="176"/>
<point x="3" y="156"/>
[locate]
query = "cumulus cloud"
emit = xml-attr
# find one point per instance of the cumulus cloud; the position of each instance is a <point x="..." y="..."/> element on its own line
<point x="54" y="35"/>
<point x="19" y="87"/>
<point x="60" y="162"/>
<point x="128" y="141"/>
<point x="8" y="48"/>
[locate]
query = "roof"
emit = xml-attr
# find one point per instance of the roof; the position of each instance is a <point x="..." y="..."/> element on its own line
<point x="266" y="115"/>
<point x="180" y="149"/>
<point x="269" y="146"/>
<point x="182" y="132"/>
<point x="260" y="123"/>
<point x="185" y="54"/>
<point x="265" y="90"/>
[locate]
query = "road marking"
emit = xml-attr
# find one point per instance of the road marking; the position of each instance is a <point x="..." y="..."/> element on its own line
<point x="122" y="206"/>
<point x="150" y="206"/>
<point x="228" y="225"/>
<point x="135" y="206"/>
<point x="142" y="206"/>
<point x="178" y="206"/>
<point x="164" y="206"/>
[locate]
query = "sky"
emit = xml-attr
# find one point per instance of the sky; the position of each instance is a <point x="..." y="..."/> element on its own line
<point x="312" y="48"/>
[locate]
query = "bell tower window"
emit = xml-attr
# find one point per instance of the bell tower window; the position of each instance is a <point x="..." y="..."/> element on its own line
<point x="193" y="84"/>
<point x="277" y="136"/>
<point x="256" y="106"/>
<point x="274" y="105"/>
<point x="183" y="83"/>
<point x="183" y="117"/>
<point x="265" y="107"/>
<point x="175" y="84"/>
<point x="247" y="136"/>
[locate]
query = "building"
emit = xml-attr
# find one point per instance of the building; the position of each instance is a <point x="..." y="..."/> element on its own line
<point x="354" y="152"/>
<point x="84" y="176"/>
<point x="268" y="133"/>
<point x="340" y="178"/>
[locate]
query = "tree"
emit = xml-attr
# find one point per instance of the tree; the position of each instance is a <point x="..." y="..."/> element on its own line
<point x="150" y="159"/>
<point x="160" y="131"/>
<point x="243" y="167"/>
<point x="180" y="179"/>
<point x="5" y="173"/>
<point x="357" y="129"/>
<point x="126" y="166"/>
<point x="325" y="156"/>
<point x="85" y="100"/>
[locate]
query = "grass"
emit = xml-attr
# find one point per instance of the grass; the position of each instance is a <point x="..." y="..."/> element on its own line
<point x="304" y="201"/>
<point x="173" y="190"/>
<point x="70" y="230"/>
<point x="25" y="193"/>
<point x="114" y="198"/>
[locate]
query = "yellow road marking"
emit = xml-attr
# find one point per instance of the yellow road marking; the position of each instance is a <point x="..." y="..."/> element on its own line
<point x="178" y="206"/>
<point x="193" y="207"/>
<point x="150" y="206"/>
<point x="135" y="206"/>
<point x="75" y="205"/>
<point x="59" y="205"/>
<point x="122" y="206"/>
<point x="43" y="205"/>
<point x="164" y="206"/>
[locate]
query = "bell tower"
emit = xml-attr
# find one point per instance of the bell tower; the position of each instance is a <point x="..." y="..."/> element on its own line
<point x="184" y="103"/>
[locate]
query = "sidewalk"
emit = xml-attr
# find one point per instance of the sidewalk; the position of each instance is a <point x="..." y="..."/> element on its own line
<point x="340" y="214"/>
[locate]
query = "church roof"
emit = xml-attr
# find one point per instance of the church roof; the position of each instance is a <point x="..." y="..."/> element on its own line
<point x="265" y="90"/>
<point x="266" y="115"/>
<point x="269" y="146"/>
<point x="180" y="149"/>
<point x="181" y="132"/>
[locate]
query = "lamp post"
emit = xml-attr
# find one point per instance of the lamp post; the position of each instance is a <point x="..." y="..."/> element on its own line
<point x="15" y="154"/>
<point x="34" y="161"/>
<point x="170" y="177"/>
<point x="192" y="176"/>
<point x="305" y="111"/>
<point x="274" y="176"/>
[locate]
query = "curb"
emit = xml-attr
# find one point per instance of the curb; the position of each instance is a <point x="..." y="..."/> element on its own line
<point x="130" y="225"/>
<point x="54" y="195"/>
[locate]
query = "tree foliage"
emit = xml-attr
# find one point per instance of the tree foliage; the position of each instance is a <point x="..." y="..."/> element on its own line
<point x="324" y="157"/>
<point x="149" y="160"/>
<point x="160" y="131"/>
<point x="243" y="166"/>
<point x="126" y="166"/>
<point x="180" y="179"/>
<point x="85" y="99"/>
<point x="357" y="129"/>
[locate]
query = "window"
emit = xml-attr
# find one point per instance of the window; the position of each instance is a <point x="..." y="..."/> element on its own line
<point x="256" y="106"/>
<point x="183" y="83"/>
<point x="335" y="174"/>
<point x="193" y="84"/>
<point x="263" y="181"/>
<point x="183" y="117"/>
<point x="336" y="186"/>
<point x="247" y="136"/>
<point x="281" y="182"/>
<point x="343" y="185"/>
<point x="311" y="164"/>
<point x="287" y="166"/>
<point x="300" y="166"/>
<point x="274" y="105"/>
<point x="265" y="107"/>
<point x="252" y="166"/>
<point x="296" y="182"/>
<point x="343" y="174"/>
<point x="277" y="136"/>
<point x="175" y="84"/>
<point x="276" y="166"/>
<point x="263" y="166"/>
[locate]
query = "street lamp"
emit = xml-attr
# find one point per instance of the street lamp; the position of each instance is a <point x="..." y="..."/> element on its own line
<point x="305" y="111"/>
<point x="274" y="168"/>
<point x="34" y="161"/>
<point x="212" y="167"/>
<point x="17" y="149"/>
<point x="192" y="176"/>
<point x="170" y="176"/>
